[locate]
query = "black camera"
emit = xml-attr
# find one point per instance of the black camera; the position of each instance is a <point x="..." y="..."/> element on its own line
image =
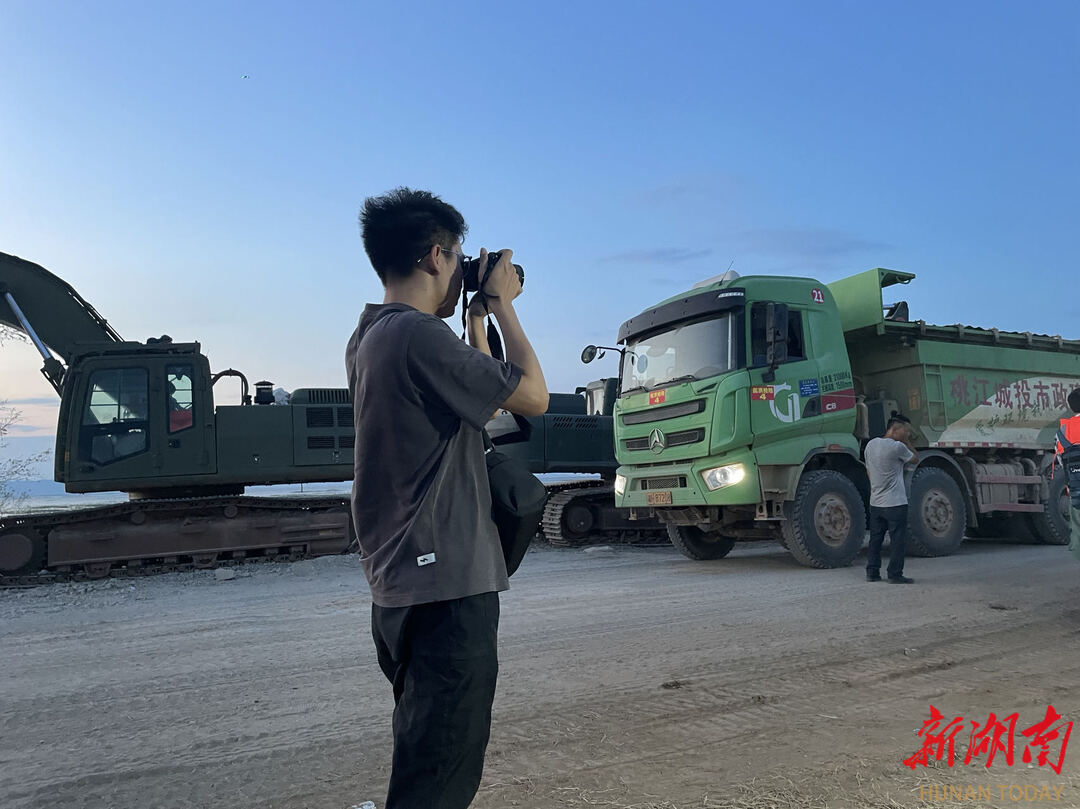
<point x="471" y="272"/>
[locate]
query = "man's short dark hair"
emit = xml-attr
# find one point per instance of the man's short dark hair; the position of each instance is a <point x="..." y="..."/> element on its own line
<point x="1074" y="400"/>
<point x="400" y="226"/>
<point x="897" y="418"/>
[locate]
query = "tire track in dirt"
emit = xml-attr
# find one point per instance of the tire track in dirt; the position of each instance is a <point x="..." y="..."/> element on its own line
<point x="723" y="705"/>
<point x="760" y="651"/>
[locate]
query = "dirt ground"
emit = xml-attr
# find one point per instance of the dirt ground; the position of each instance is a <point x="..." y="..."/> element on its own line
<point x="629" y="678"/>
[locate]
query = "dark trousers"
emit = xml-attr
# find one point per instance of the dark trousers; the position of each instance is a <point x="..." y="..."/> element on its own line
<point x="893" y="519"/>
<point x="442" y="661"/>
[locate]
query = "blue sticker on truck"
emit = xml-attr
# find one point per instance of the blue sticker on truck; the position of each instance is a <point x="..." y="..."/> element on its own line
<point x="808" y="387"/>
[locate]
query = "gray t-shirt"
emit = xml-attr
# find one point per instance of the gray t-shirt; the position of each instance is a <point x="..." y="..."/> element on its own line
<point x="885" y="459"/>
<point x="421" y="502"/>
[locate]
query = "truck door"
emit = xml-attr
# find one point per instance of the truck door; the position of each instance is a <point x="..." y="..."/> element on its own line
<point x="783" y="399"/>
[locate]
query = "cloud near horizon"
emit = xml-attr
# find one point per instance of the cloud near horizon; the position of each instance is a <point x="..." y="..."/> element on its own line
<point x="813" y="244"/>
<point x="659" y="255"/>
<point x="42" y="400"/>
<point x="691" y="187"/>
<point x="37" y="417"/>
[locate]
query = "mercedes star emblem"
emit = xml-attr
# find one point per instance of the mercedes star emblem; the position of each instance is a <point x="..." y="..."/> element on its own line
<point x="657" y="442"/>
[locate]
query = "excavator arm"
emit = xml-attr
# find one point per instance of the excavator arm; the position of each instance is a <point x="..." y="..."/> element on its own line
<point x="51" y="313"/>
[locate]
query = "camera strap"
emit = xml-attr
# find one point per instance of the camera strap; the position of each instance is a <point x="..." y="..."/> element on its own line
<point x="493" y="337"/>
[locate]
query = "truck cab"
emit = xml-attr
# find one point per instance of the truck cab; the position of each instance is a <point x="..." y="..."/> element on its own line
<point x="723" y="391"/>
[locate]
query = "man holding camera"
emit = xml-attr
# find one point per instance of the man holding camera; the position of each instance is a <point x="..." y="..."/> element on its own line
<point x="421" y="503"/>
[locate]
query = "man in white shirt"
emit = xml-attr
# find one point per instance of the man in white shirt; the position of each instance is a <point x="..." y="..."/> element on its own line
<point x="885" y="459"/>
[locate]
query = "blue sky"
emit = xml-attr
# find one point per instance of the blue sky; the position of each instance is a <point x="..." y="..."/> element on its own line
<point x="196" y="169"/>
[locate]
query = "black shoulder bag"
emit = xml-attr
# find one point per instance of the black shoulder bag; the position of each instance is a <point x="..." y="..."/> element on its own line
<point x="517" y="500"/>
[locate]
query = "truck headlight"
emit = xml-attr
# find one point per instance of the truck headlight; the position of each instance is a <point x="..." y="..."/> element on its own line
<point x="721" y="476"/>
<point x="620" y="485"/>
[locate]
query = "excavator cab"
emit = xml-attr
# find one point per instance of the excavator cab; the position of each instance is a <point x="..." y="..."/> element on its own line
<point x="136" y="416"/>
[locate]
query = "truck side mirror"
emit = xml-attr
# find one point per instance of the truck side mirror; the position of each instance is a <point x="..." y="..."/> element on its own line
<point x="588" y="354"/>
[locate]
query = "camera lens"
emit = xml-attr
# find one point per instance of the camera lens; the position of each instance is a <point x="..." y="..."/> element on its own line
<point x="470" y="272"/>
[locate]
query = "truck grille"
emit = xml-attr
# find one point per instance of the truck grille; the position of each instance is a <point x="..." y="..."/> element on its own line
<point x="344" y="417"/>
<point x="346" y="442"/>
<point x="320" y="442"/>
<point x="663" y="413"/>
<point x="672" y="439"/>
<point x="675" y="482"/>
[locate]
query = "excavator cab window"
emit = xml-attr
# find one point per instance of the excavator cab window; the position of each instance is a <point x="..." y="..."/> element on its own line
<point x="178" y="384"/>
<point x="114" y="424"/>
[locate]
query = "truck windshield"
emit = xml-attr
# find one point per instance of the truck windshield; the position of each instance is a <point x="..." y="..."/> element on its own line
<point x="691" y="351"/>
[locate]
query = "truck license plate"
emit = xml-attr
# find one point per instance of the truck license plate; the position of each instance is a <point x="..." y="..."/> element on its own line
<point x="658" y="498"/>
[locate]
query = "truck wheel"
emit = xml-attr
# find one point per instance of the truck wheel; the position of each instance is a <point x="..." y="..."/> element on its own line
<point x="936" y="516"/>
<point x="826" y="522"/>
<point x="1051" y="527"/>
<point x="699" y="545"/>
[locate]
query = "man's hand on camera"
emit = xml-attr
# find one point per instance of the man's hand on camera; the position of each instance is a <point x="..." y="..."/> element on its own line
<point x="503" y="285"/>
<point x="478" y="307"/>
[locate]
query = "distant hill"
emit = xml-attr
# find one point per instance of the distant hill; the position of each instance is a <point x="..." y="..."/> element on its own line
<point x="36" y="488"/>
<point x="50" y="488"/>
<point x="22" y="446"/>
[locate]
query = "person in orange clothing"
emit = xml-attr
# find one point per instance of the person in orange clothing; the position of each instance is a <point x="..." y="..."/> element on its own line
<point x="1068" y="448"/>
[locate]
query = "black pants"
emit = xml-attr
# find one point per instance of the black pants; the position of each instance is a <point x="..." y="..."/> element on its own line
<point x="894" y="519"/>
<point x="442" y="661"/>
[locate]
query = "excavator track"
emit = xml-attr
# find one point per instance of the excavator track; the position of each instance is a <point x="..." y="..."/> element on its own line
<point x="149" y="536"/>
<point x="583" y="513"/>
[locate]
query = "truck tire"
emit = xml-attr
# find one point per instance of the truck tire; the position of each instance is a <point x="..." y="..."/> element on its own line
<point x="826" y="522"/>
<point x="936" y="515"/>
<point x="693" y="543"/>
<point x="1051" y="527"/>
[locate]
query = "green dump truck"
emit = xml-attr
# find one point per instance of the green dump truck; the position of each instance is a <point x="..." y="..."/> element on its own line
<point x="745" y="404"/>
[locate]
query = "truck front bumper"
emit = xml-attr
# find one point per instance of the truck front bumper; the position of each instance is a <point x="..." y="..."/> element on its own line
<point x="683" y="483"/>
